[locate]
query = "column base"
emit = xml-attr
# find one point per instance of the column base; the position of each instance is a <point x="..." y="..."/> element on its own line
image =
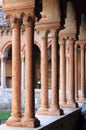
<point x="14" y="121"/>
<point x="42" y="111"/>
<point x="54" y="112"/>
<point x="30" y="122"/>
<point x="72" y="104"/>
<point x="77" y="99"/>
<point x="63" y="104"/>
<point x="81" y="99"/>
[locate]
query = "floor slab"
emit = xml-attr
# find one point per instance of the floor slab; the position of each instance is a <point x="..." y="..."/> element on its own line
<point x="44" y="119"/>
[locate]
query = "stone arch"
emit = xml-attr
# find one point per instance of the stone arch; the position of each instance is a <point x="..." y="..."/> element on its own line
<point x="6" y="52"/>
<point x="48" y="33"/>
<point x="5" y="48"/>
<point x="37" y="44"/>
<point x="37" y="72"/>
<point x="49" y="43"/>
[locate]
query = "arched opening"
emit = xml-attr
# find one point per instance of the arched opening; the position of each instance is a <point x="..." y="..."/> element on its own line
<point x="8" y="51"/>
<point x="37" y="75"/>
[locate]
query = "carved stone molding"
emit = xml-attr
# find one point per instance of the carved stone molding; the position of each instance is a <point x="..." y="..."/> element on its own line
<point x="67" y="34"/>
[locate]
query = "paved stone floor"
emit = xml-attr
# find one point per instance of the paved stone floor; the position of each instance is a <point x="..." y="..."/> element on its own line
<point x="45" y="120"/>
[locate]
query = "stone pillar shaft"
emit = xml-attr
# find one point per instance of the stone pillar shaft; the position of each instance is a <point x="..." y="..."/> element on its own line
<point x="16" y="71"/>
<point x="3" y="72"/>
<point x="71" y="75"/>
<point x="29" y="88"/>
<point x="71" y="89"/>
<point x="54" y="79"/>
<point x="44" y="74"/>
<point x="62" y="74"/>
<point x="15" y="119"/>
<point x="76" y="73"/>
<point x="82" y="73"/>
<point x="44" y="78"/>
<point x="29" y="119"/>
<point x="54" y="110"/>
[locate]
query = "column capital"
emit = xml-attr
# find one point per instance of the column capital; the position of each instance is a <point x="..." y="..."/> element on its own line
<point x="3" y="57"/>
<point x="28" y="21"/>
<point x="14" y="20"/>
<point x="43" y="33"/>
<point x="81" y="41"/>
<point x="53" y="32"/>
<point x="70" y="40"/>
<point x="62" y="40"/>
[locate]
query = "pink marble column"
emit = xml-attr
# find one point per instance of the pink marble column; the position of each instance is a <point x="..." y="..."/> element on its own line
<point x="15" y="119"/>
<point x="76" y="73"/>
<point x="71" y="89"/>
<point x="54" y="108"/>
<point x="29" y="119"/>
<point x="62" y="73"/>
<point x="82" y="96"/>
<point x="44" y="77"/>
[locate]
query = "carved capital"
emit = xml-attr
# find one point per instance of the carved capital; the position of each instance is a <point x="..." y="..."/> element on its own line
<point x="53" y="32"/>
<point x="67" y="34"/>
<point x="14" y="21"/>
<point x="70" y="40"/>
<point x="28" y="21"/>
<point x="3" y="58"/>
<point x="81" y="42"/>
<point x="62" y="40"/>
<point x="43" y="33"/>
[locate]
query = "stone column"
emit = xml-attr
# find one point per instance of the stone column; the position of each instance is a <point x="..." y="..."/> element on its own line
<point x="67" y="70"/>
<point x="23" y="72"/>
<point x="76" y="73"/>
<point x="62" y="73"/>
<point x="44" y="77"/>
<point x="29" y="119"/>
<point x="15" y="119"/>
<point x="82" y="96"/>
<point x="71" y="89"/>
<point x="54" y="108"/>
<point x="3" y="72"/>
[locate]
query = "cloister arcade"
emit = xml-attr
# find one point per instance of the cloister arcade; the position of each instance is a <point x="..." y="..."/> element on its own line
<point x="50" y="56"/>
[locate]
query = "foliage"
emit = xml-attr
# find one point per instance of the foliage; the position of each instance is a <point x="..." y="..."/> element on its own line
<point x="4" y="115"/>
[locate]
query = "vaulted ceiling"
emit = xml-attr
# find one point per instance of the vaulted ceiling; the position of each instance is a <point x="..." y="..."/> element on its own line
<point x="79" y="5"/>
<point x="80" y="8"/>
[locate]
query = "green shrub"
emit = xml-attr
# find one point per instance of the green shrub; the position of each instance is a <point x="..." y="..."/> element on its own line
<point x="4" y="115"/>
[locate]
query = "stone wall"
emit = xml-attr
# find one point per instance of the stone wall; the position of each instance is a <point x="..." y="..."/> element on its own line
<point x="6" y="97"/>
